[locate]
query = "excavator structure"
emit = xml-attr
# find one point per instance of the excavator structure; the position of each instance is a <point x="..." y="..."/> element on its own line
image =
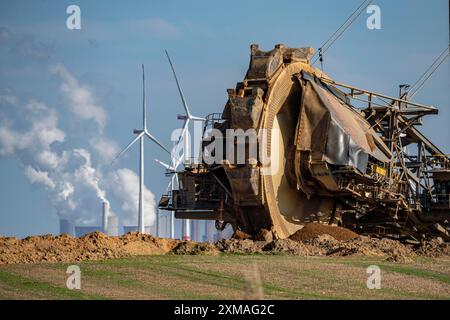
<point x="327" y="152"/>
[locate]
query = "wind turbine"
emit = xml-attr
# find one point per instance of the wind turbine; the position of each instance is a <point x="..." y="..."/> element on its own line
<point x="173" y="183"/>
<point x="140" y="135"/>
<point x="187" y="117"/>
<point x="170" y="171"/>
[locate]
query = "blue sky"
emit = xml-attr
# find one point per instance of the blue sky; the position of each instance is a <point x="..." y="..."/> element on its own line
<point x="209" y="43"/>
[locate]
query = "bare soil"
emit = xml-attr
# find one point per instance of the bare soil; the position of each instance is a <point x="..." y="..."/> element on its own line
<point x="313" y="230"/>
<point x="312" y="240"/>
<point x="94" y="246"/>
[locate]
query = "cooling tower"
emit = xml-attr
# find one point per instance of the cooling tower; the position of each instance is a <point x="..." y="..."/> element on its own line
<point x="66" y="227"/>
<point x="113" y="226"/>
<point x="83" y="230"/>
<point x="127" y="229"/>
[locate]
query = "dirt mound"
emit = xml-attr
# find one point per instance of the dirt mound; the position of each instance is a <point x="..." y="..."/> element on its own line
<point x="97" y="246"/>
<point x="193" y="248"/>
<point x="434" y="248"/>
<point x="287" y="246"/>
<point x="361" y="245"/>
<point x="240" y="246"/>
<point x="240" y="235"/>
<point x="323" y="245"/>
<point x="138" y="248"/>
<point x="93" y="246"/>
<point x="399" y="259"/>
<point x="313" y="230"/>
<point x="264" y="235"/>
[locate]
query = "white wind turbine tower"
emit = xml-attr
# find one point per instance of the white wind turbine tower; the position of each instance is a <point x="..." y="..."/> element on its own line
<point x="187" y="117"/>
<point x="173" y="183"/>
<point x="141" y="134"/>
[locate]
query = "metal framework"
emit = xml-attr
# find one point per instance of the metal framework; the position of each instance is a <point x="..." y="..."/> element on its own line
<point x="390" y="180"/>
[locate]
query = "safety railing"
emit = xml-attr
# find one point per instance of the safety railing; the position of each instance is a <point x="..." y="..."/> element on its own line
<point x="441" y="200"/>
<point x="211" y="119"/>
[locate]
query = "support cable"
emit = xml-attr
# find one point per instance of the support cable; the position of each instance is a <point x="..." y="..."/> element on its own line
<point x="429" y="72"/>
<point x="340" y="31"/>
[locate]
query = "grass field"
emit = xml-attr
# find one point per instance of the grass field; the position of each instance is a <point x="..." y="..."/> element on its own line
<point x="226" y="277"/>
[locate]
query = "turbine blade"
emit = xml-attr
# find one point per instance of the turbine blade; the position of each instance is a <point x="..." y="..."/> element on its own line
<point x="180" y="91"/>
<point x="156" y="141"/>
<point x="174" y="160"/>
<point x="175" y="157"/>
<point x="197" y="118"/>
<point x="178" y="161"/>
<point x="128" y="146"/>
<point x="183" y="131"/>
<point x="165" y="165"/>
<point x="144" y="101"/>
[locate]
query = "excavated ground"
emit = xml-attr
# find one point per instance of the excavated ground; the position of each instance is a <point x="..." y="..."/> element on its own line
<point x="312" y="240"/>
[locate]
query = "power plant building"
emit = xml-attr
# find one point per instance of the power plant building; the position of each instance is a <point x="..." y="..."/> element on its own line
<point x="83" y="230"/>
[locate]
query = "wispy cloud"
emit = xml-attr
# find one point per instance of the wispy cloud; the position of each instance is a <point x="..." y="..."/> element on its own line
<point x="8" y="99"/>
<point x="106" y="148"/>
<point x="42" y="134"/>
<point x="25" y="45"/>
<point x="39" y="177"/>
<point x="80" y="97"/>
<point x="154" y="28"/>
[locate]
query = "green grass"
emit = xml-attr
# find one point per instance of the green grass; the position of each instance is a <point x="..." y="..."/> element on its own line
<point x="223" y="277"/>
<point x="174" y="268"/>
<point x="408" y="270"/>
<point x="403" y="269"/>
<point x="157" y="266"/>
<point x="417" y="272"/>
<point x="41" y="289"/>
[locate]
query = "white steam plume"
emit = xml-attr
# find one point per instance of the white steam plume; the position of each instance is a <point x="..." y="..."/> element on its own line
<point x="125" y="188"/>
<point x="75" y="185"/>
<point x="68" y="175"/>
<point x="80" y="97"/>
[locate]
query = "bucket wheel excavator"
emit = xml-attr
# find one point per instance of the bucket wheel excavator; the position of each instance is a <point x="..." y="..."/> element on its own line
<point x="326" y="152"/>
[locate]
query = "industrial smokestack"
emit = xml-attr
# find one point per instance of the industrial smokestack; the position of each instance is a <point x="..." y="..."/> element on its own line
<point x="172" y="226"/>
<point x="105" y="217"/>
<point x="186" y="232"/>
<point x="66" y="227"/>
